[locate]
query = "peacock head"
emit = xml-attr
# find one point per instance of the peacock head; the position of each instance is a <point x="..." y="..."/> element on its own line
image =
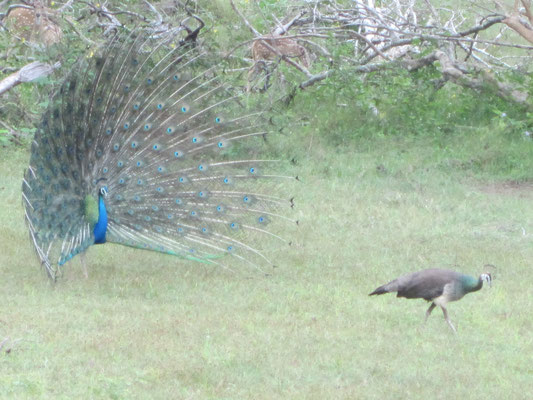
<point x="103" y="191"/>
<point x="101" y="187"/>
<point x="486" y="278"/>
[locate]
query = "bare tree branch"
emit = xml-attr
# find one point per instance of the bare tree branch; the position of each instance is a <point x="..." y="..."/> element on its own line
<point x="28" y="73"/>
<point x="241" y="16"/>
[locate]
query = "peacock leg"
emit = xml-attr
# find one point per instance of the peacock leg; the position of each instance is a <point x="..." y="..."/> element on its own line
<point x="428" y="312"/>
<point x="84" y="265"/>
<point x="448" y="319"/>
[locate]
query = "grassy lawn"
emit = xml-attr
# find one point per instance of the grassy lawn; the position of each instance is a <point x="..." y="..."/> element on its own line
<point x="145" y="325"/>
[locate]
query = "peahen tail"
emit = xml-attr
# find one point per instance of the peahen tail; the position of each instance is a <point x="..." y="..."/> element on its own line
<point x="387" y="288"/>
<point x="150" y="147"/>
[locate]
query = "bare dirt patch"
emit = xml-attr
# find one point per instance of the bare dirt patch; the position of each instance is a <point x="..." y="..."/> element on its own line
<point x="508" y="188"/>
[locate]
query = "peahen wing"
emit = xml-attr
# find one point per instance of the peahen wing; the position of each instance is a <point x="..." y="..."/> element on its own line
<point x="171" y="143"/>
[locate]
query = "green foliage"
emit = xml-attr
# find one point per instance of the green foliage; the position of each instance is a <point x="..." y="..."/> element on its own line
<point x="349" y="106"/>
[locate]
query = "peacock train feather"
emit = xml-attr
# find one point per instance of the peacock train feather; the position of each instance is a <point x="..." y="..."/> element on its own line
<point x="143" y="146"/>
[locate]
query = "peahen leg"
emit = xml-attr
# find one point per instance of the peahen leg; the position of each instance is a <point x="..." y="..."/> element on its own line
<point x="448" y="319"/>
<point x="428" y="312"/>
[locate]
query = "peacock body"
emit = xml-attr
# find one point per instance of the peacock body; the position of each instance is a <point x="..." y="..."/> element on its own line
<point x="143" y="146"/>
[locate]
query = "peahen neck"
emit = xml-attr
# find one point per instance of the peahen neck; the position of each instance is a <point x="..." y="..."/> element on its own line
<point x="472" y="284"/>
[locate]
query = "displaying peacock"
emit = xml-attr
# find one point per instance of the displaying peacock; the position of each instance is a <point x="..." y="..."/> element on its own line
<point x="148" y="146"/>
<point x="439" y="286"/>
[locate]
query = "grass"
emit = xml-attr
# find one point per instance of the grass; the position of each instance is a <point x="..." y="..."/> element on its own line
<point x="150" y="326"/>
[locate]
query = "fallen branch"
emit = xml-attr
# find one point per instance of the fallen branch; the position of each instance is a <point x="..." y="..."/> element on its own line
<point x="28" y="73"/>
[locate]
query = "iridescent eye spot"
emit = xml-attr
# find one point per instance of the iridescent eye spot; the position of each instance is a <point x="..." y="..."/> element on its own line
<point x="149" y="81"/>
<point x="227" y="180"/>
<point x="220" y="144"/>
<point x="155" y="147"/>
<point x="252" y="170"/>
<point x="108" y="131"/>
<point x="205" y="230"/>
<point x="159" y="229"/>
<point x="170" y="216"/>
<point x="202" y="194"/>
<point x="120" y="164"/>
<point x="230" y="248"/>
<point x="217" y="120"/>
<point x="121" y="181"/>
<point x="113" y="110"/>
<point x="181" y="230"/>
<point x="98" y="153"/>
<point x="116" y="146"/>
<point x="160" y="106"/>
<point x="134" y="144"/>
<point x="139" y="182"/>
<point x="170" y="130"/>
<point x="136" y="106"/>
<point x="178" y="154"/>
<point x="147" y="127"/>
<point x="160" y="189"/>
<point x="147" y="218"/>
<point x="160" y="169"/>
<point x="179" y="201"/>
<point x="155" y="208"/>
<point x="127" y="88"/>
<point x="118" y="197"/>
<point x="195" y="139"/>
<point x="193" y="213"/>
<point x="131" y="212"/>
<point x="139" y="163"/>
<point x="246" y="199"/>
<point x="126" y="125"/>
<point x="137" y="198"/>
<point x="184" y="109"/>
<point x="220" y="209"/>
<point x="261" y="219"/>
<point x="234" y="225"/>
<point x="182" y="179"/>
<point x="176" y="77"/>
<point x="202" y="167"/>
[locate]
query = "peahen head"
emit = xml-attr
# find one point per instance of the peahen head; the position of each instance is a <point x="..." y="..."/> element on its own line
<point x="486" y="278"/>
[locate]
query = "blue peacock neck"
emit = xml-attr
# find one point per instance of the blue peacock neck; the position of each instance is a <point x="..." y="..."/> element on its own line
<point x="100" y="229"/>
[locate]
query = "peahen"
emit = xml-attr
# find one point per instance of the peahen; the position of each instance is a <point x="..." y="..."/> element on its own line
<point x="148" y="146"/>
<point x="440" y="286"/>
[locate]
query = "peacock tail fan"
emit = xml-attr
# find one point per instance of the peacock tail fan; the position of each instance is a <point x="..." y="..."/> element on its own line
<point x="149" y="146"/>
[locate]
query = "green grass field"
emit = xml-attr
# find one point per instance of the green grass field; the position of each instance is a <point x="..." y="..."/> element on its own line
<point x="147" y="326"/>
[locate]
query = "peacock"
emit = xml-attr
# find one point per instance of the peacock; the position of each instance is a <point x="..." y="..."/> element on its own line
<point x="439" y="286"/>
<point x="150" y="146"/>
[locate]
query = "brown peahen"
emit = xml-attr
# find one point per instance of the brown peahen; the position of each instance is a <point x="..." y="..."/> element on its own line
<point x="150" y="147"/>
<point x="439" y="286"/>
